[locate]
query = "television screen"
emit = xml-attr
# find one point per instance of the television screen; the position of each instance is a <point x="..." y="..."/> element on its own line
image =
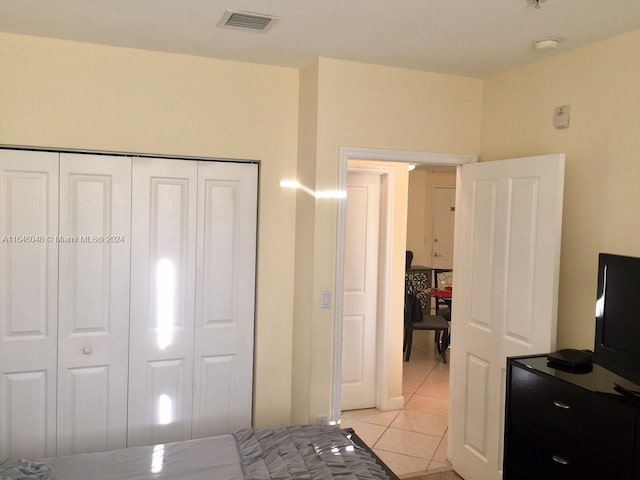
<point x="617" y="345"/>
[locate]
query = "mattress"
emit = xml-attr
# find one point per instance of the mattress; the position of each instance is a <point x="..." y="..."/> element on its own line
<point x="294" y="452"/>
<point x="311" y="452"/>
<point x="204" y="458"/>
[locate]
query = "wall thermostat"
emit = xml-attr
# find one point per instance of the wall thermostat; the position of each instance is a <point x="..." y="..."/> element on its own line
<point x="561" y="117"/>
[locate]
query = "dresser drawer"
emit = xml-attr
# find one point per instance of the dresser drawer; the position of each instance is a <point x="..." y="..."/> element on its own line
<point x="561" y="425"/>
<point x="537" y="459"/>
<point x="560" y="414"/>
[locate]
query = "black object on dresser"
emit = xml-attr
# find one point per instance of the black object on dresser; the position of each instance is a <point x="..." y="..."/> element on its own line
<point x="569" y="425"/>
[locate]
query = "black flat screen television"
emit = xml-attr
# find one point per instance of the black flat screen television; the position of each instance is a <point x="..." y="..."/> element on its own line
<point x="617" y="345"/>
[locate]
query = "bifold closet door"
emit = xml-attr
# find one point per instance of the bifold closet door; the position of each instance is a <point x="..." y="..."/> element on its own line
<point x="192" y="299"/>
<point x="225" y="292"/>
<point x="162" y="300"/>
<point x="28" y="303"/>
<point x="93" y="332"/>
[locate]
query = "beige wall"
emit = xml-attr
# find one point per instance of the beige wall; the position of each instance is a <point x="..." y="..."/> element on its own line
<point x="376" y="107"/>
<point x="421" y="183"/>
<point x="416" y="217"/>
<point x="601" y="83"/>
<point x="305" y="226"/>
<point x="63" y="94"/>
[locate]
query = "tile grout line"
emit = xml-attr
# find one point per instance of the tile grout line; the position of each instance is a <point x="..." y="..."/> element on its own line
<point x="430" y="460"/>
<point x="387" y="427"/>
<point x="423" y="370"/>
<point x="437" y="448"/>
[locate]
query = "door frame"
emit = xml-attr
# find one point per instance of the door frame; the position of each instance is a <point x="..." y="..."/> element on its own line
<point x="383" y="400"/>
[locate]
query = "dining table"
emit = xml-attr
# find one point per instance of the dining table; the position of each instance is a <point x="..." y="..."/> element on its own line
<point x="445" y="294"/>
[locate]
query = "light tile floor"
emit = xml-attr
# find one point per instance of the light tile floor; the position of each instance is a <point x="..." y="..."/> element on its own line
<point x="413" y="440"/>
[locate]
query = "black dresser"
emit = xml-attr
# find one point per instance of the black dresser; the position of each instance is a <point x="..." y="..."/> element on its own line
<point x="562" y="425"/>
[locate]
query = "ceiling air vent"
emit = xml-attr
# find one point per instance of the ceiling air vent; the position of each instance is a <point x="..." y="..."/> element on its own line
<point x="249" y="22"/>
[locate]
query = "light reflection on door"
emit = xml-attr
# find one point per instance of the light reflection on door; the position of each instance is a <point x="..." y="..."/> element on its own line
<point x="165" y="410"/>
<point x="166" y="282"/>
<point x="165" y="302"/>
<point x="157" y="459"/>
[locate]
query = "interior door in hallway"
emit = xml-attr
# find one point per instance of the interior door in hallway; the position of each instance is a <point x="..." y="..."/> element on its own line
<point x="507" y="262"/>
<point x="360" y="304"/>
<point x="442" y="226"/>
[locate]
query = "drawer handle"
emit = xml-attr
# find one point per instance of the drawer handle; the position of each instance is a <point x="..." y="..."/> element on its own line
<point x="561" y="405"/>
<point x="559" y="460"/>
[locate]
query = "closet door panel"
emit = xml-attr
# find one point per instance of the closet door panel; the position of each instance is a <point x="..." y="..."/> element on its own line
<point x="225" y="297"/>
<point x="162" y="296"/>
<point x="165" y="380"/>
<point x="28" y="302"/>
<point x="94" y="249"/>
<point x="84" y="420"/>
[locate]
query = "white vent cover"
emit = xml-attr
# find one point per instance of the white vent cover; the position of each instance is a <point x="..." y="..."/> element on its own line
<point x="248" y="22"/>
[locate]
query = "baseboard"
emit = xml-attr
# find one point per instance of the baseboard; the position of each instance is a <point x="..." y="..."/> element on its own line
<point x="393" y="403"/>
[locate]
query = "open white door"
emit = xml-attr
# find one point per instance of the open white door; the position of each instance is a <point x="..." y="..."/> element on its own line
<point x="506" y="264"/>
<point x="360" y="307"/>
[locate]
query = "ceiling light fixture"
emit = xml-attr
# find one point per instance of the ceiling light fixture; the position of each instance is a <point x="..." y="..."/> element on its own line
<point x="536" y="3"/>
<point x="546" y="44"/>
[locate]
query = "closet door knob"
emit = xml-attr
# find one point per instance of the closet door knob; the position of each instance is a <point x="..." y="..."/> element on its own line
<point x="87" y="350"/>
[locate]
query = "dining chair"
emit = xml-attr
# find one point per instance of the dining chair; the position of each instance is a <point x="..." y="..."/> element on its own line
<point x="418" y="318"/>
<point x="408" y="259"/>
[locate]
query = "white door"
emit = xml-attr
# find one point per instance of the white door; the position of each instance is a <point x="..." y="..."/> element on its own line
<point x="360" y="304"/>
<point x="442" y="227"/>
<point x="507" y="257"/>
<point x="224" y="314"/>
<point x="162" y="300"/>
<point x="93" y="329"/>
<point x="28" y="303"/>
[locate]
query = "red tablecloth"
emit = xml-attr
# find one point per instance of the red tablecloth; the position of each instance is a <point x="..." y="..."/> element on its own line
<point x="446" y="294"/>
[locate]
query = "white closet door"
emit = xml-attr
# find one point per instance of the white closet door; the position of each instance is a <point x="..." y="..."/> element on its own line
<point x="162" y="300"/>
<point x="28" y="303"/>
<point x="93" y="334"/>
<point x="225" y="286"/>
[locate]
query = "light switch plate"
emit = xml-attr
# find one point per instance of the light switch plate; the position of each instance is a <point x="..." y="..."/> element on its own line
<point x="561" y="117"/>
<point x="325" y="299"/>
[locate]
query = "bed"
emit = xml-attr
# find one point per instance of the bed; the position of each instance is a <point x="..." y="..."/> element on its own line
<point x="298" y="452"/>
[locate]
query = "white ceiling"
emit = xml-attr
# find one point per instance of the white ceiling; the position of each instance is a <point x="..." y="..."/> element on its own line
<point x="467" y="37"/>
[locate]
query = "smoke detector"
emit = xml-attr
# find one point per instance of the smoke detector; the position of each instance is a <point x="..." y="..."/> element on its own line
<point x="536" y="3"/>
<point x="248" y="22"/>
<point x="546" y="44"/>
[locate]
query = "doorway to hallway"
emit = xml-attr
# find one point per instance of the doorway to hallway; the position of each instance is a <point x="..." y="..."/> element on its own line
<point x="389" y="344"/>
